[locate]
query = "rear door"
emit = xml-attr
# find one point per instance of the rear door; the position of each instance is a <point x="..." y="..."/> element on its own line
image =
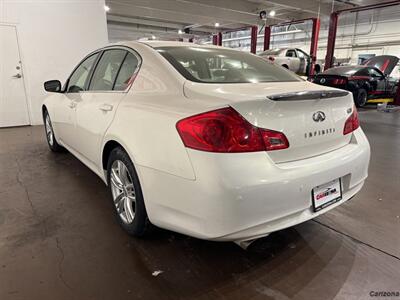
<point x="109" y="84"/>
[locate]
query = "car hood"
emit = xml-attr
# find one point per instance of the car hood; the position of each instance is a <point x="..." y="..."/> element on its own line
<point x="385" y="63"/>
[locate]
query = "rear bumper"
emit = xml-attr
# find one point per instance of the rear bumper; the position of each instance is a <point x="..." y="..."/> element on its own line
<point x="245" y="196"/>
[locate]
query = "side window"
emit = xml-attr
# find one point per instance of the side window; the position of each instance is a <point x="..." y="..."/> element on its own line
<point x="302" y="54"/>
<point x="291" y="53"/>
<point x="126" y="73"/>
<point x="374" y="73"/>
<point x="362" y="72"/>
<point x="79" y="78"/>
<point x="107" y="70"/>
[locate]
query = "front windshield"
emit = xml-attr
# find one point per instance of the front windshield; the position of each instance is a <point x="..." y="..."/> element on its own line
<point x="213" y="65"/>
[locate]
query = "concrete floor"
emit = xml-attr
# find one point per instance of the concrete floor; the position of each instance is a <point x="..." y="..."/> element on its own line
<point x="59" y="239"/>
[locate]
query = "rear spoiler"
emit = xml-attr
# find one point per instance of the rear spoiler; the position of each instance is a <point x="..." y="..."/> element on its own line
<point x="308" y="95"/>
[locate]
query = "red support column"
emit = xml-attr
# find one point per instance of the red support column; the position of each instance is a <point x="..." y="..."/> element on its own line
<point x="215" y="42"/>
<point x="219" y="38"/>
<point x="253" y="41"/>
<point x="333" y="23"/>
<point x="267" y="37"/>
<point x="314" y="45"/>
<point x="396" y="100"/>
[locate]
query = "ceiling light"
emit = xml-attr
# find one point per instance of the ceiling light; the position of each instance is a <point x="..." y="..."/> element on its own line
<point x="106" y="8"/>
<point x="153" y="37"/>
<point x="180" y="31"/>
<point x="272" y="13"/>
<point x="217" y="24"/>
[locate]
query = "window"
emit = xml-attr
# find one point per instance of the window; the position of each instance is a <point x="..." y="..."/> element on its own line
<point x="302" y="54"/>
<point x="79" y="79"/>
<point x="126" y="73"/>
<point x="374" y="73"/>
<point x="107" y="70"/>
<point x="291" y="53"/>
<point x="210" y="65"/>
<point x="362" y="72"/>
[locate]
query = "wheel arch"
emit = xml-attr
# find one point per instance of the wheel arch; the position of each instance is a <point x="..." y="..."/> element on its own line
<point x="285" y="66"/>
<point x="108" y="147"/>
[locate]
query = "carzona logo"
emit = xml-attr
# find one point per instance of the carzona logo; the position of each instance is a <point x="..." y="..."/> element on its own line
<point x="326" y="193"/>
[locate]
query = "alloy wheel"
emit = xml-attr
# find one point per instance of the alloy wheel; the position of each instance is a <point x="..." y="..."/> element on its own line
<point x="49" y="131"/>
<point x="123" y="192"/>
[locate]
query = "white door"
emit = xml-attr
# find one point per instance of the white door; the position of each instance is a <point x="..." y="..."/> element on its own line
<point x="94" y="114"/>
<point x="13" y="105"/>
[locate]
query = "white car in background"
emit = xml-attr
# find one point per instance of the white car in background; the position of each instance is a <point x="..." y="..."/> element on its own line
<point x="294" y="59"/>
<point x="207" y="141"/>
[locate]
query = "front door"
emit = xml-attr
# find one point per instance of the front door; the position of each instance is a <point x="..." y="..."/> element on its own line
<point x="13" y="104"/>
<point x="111" y="79"/>
<point x="65" y="112"/>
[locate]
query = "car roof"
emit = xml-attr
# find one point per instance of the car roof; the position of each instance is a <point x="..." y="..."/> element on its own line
<point x="155" y="44"/>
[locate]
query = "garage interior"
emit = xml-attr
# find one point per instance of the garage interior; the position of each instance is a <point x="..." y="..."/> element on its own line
<point x="58" y="235"/>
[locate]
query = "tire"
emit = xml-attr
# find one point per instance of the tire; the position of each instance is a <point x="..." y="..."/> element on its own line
<point x="126" y="194"/>
<point x="50" y="136"/>
<point x="285" y="66"/>
<point x="361" y="98"/>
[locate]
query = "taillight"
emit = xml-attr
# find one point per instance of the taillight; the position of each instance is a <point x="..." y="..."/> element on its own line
<point x="339" y="81"/>
<point x="225" y="130"/>
<point x="352" y="123"/>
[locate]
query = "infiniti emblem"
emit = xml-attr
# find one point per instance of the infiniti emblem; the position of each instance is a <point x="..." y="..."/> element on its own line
<point x="322" y="80"/>
<point x="319" y="116"/>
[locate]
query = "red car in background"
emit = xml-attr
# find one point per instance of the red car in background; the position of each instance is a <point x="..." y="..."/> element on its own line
<point x="368" y="81"/>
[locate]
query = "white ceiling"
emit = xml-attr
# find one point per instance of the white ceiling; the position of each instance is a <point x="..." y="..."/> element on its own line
<point x="163" y="18"/>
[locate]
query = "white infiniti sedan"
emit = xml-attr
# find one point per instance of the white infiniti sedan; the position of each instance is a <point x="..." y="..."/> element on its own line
<point x="207" y="141"/>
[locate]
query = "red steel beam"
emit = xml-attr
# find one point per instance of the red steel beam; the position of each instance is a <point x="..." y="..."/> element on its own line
<point x="333" y="24"/>
<point x="219" y="38"/>
<point x="214" y="38"/>
<point x="314" y="45"/>
<point x="267" y="37"/>
<point x="368" y="7"/>
<point x="253" y="41"/>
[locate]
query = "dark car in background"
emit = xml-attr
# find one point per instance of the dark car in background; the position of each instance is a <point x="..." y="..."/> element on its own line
<point x="368" y="81"/>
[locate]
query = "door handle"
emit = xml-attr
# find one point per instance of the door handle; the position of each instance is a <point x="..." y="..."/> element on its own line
<point x="17" y="76"/>
<point x="106" y="107"/>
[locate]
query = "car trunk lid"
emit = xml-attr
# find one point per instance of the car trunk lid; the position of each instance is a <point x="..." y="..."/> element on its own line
<point x="337" y="81"/>
<point x="312" y="117"/>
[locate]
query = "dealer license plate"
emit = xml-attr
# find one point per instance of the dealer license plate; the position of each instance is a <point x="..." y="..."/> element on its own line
<point x="326" y="194"/>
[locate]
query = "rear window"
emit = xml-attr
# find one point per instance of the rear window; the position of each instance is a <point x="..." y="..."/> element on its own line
<point x="209" y="65"/>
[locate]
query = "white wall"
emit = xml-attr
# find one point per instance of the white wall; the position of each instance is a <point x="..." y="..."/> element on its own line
<point x="53" y="37"/>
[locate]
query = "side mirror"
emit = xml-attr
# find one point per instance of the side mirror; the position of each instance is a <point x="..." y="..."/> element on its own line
<point x="53" y="86"/>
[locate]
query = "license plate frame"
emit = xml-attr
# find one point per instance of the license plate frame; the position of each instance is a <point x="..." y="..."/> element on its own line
<point x="332" y="197"/>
